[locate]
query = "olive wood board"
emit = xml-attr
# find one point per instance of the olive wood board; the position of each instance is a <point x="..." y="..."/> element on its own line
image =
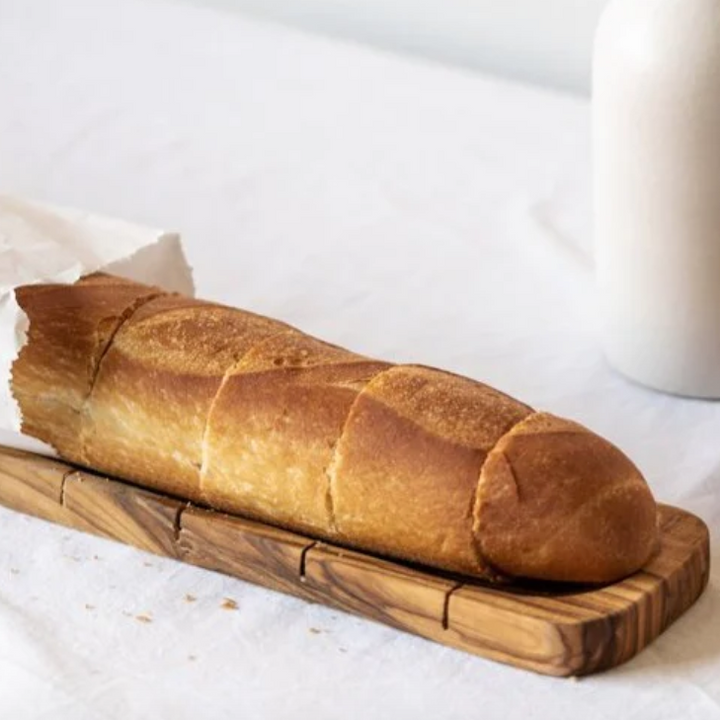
<point x="555" y="630"/>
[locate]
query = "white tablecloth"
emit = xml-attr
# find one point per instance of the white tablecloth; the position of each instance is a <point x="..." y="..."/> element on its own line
<point x="402" y="209"/>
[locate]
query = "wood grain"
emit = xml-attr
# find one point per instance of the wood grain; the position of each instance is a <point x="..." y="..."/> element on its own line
<point x="584" y="631"/>
<point x="245" y="549"/>
<point x="130" y="515"/>
<point x="379" y="589"/>
<point x="32" y="485"/>
<point x="555" y="630"/>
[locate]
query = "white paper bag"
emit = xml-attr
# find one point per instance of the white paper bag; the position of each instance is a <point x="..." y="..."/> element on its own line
<point x="44" y="244"/>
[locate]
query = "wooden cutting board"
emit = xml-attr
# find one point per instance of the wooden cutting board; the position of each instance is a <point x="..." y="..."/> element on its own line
<point x="553" y="630"/>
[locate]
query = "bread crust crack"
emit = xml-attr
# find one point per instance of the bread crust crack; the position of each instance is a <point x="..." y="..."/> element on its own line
<point x="84" y="410"/>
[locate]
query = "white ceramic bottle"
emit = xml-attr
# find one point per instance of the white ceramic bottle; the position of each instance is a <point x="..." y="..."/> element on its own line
<point x="656" y="138"/>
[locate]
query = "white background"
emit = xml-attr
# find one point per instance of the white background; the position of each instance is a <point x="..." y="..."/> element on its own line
<point x="406" y="210"/>
<point x="543" y="41"/>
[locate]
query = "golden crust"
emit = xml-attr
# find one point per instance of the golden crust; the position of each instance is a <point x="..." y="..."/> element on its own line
<point x="147" y="413"/>
<point x="71" y="327"/>
<point x="273" y="429"/>
<point x="250" y="416"/>
<point x="410" y="458"/>
<point x="557" y="502"/>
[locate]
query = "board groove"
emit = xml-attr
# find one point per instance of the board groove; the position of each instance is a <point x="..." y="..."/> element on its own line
<point x="555" y="630"/>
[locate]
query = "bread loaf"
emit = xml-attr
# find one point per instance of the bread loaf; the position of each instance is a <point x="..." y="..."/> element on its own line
<point x="248" y="415"/>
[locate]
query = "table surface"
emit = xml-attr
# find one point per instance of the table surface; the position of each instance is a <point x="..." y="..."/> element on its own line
<point x="403" y="209"/>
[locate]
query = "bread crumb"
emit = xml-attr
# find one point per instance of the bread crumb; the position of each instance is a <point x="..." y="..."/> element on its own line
<point x="315" y="631"/>
<point x="229" y="604"/>
<point x="190" y="598"/>
<point x="147" y="563"/>
<point x="143" y="618"/>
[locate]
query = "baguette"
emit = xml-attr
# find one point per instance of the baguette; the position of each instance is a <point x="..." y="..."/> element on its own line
<point x="248" y="415"/>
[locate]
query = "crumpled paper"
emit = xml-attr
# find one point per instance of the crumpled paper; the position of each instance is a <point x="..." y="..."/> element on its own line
<point x="46" y="244"/>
